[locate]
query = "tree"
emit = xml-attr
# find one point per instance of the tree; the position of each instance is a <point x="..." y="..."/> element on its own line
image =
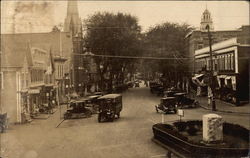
<point x="113" y="35"/>
<point x="167" y="41"/>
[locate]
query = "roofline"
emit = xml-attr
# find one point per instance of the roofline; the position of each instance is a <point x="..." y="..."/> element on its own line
<point x="239" y="29"/>
<point x="217" y="46"/>
<point x="32" y="33"/>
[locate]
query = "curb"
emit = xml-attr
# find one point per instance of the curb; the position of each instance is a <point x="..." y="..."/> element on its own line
<point x="224" y="111"/>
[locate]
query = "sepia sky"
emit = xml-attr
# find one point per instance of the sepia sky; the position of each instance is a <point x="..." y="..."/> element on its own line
<point x="40" y="16"/>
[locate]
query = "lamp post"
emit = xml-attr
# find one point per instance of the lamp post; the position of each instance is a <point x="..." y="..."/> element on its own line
<point x="211" y="84"/>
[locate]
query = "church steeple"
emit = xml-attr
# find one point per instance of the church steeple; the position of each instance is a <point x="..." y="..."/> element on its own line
<point x="72" y="21"/>
<point x="206" y="19"/>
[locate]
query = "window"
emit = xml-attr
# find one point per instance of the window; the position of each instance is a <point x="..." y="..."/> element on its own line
<point x="229" y="61"/>
<point x="232" y="61"/>
<point x="58" y="71"/>
<point x="1" y="80"/>
<point x="223" y="62"/>
<point x="226" y="64"/>
<point x="22" y="80"/>
<point x="62" y="71"/>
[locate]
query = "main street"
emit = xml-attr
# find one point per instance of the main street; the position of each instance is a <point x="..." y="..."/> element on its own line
<point x="127" y="137"/>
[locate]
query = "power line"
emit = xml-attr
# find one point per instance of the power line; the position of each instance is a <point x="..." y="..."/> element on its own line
<point x="144" y="57"/>
<point x="134" y="57"/>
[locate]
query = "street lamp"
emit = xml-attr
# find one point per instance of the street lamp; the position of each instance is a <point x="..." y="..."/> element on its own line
<point x="211" y="84"/>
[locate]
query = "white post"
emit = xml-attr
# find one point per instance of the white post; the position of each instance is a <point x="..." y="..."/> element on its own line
<point x="162" y="118"/>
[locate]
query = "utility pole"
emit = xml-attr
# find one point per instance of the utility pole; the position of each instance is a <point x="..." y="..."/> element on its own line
<point x="211" y="84"/>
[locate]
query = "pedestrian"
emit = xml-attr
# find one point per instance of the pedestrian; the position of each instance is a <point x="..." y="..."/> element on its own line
<point x="210" y="95"/>
<point x="146" y="83"/>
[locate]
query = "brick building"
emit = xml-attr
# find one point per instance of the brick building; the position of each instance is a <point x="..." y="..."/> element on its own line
<point x="231" y="64"/>
<point x="198" y="39"/>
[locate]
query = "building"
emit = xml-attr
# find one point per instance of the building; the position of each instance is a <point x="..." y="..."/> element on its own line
<point x="60" y="44"/>
<point x="72" y="21"/>
<point x="206" y="20"/>
<point x="14" y="80"/>
<point x="27" y="80"/>
<point x="231" y="67"/>
<point x="73" y="25"/>
<point x="198" y="39"/>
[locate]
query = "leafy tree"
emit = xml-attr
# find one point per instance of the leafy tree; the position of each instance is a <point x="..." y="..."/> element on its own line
<point x="111" y="34"/>
<point x="167" y="41"/>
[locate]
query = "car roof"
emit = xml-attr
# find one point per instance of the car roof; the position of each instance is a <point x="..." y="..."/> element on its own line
<point x="78" y="100"/>
<point x="110" y="96"/>
<point x="166" y="98"/>
<point x="179" y="93"/>
<point x="93" y="96"/>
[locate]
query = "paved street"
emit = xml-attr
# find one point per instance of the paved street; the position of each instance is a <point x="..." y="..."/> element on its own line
<point x="128" y="137"/>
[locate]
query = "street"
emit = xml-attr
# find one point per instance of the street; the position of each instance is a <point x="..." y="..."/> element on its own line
<point x="127" y="137"/>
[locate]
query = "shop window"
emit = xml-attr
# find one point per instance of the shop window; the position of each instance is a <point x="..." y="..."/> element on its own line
<point x="226" y="64"/>
<point x="222" y="82"/>
<point x="232" y="61"/>
<point x="229" y="83"/>
<point x="223" y="62"/>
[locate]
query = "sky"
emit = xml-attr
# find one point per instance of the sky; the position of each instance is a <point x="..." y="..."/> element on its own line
<point x="41" y="16"/>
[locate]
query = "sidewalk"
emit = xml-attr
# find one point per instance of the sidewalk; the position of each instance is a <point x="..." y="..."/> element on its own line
<point x="222" y="106"/>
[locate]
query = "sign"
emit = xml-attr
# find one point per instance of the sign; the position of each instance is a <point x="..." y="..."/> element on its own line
<point x="180" y="113"/>
<point x="34" y="91"/>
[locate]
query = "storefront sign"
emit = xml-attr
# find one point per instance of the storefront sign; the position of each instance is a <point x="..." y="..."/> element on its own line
<point x="180" y="113"/>
<point x="34" y="91"/>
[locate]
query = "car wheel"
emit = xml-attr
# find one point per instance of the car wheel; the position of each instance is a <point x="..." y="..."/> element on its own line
<point x="175" y="111"/>
<point x="99" y="117"/>
<point x="112" y="117"/>
<point x="196" y="104"/>
<point x="234" y="100"/>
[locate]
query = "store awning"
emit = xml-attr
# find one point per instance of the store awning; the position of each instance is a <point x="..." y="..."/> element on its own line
<point x="49" y="85"/>
<point x="198" y="80"/>
<point x="34" y="91"/>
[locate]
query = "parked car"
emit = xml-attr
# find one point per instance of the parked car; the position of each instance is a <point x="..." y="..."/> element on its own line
<point x="77" y="110"/>
<point x="92" y="103"/>
<point x="110" y="105"/>
<point x="167" y="105"/>
<point x="185" y="102"/>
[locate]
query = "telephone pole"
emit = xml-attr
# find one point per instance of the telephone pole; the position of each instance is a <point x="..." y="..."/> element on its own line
<point x="211" y="83"/>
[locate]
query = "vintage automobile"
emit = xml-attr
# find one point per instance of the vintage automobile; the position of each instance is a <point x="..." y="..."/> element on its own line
<point x="92" y="103"/>
<point x="169" y="93"/>
<point x="77" y="110"/>
<point x="185" y="102"/>
<point x="110" y="105"/>
<point x="156" y="88"/>
<point x="167" y="105"/>
<point x="137" y="83"/>
<point x="130" y="84"/>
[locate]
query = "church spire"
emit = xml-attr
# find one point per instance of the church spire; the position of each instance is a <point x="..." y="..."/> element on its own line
<point x="206" y="19"/>
<point x="72" y="21"/>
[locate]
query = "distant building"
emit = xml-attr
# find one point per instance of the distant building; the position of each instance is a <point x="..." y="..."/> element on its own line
<point x="198" y="39"/>
<point x="206" y="20"/>
<point x="72" y="21"/>
<point x="73" y="25"/>
<point x="231" y="64"/>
